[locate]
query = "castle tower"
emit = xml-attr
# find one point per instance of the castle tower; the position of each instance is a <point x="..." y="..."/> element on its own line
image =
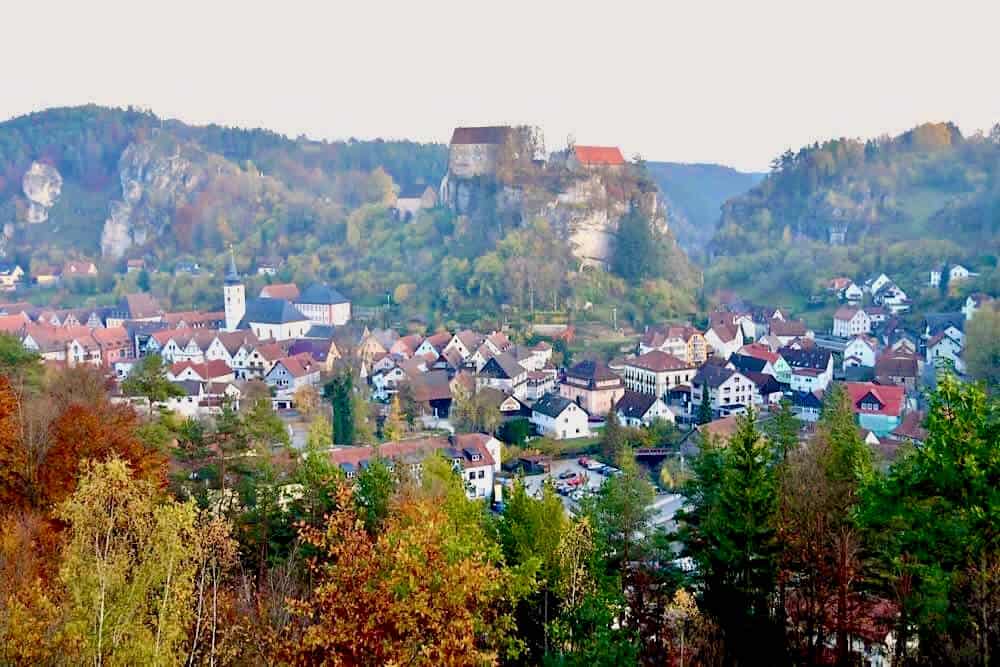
<point x="235" y="295"/>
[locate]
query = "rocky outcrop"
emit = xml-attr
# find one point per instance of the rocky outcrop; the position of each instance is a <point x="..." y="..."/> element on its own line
<point x="42" y="185"/>
<point x="155" y="178"/>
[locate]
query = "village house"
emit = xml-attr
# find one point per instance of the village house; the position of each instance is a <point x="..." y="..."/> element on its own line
<point x="558" y="417"/>
<point x="806" y="405"/>
<point x="465" y="342"/>
<point x="323" y="304"/>
<point x="540" y="383"/>
<point x="898" y="368"/>
<point x="726" y="390"/>
<point x="641" y="409"/>
<point x="115" y="345"/>
<point x="851" y="321"/>
<point x="892" y="297"/>
<point x="945" y="349"/>
<point x="774" y="362"/>
<point x="411" y="201"/>
<point x="788" y="330"/>
<point x="682" y="341"/>
<point x="503" y="372"/>
<point x="261" y="358"/>
<point x="139" y="307"/>
<point x="476" y="456"/>
<point x="911" y="428"/>
<point x="79" y="269"/>
<point x="593" y="386"/>
<point x="582" y="158"/>
<point x="877" y="408"/>
<point x="289" y="374"/>
<point x="723" y="339"/>
<point x="860" y="351"/>
<point x="655" y="372"/>
<point x="812" y="369"/>
<point x="45" y="275"/>
<point x="852" y="294"/>
<point x="745" y="363"/>
<point x="435" y="344"/>
<point x="956" y="274"/>
<point x="951" y="324"/>
<point x="274" y="319"/>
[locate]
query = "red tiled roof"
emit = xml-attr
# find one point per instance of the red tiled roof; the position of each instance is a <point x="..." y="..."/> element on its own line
<point x="286" y="291"/>
<point x="658" y="361"/>
<point x="13" y="323"/>
<point x="208" y="370"/>
<point x="417" y="448"/>
<point x="891" y="398"/>
<point x="846" y="313"/>
<point x="759" y="351"/>
<point x="912" y="427"/>
<point x="598" y="155"/>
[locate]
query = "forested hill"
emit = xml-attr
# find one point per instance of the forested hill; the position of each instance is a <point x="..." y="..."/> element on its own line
<point x="696" y="193"/>
<point x="899" y="204"/>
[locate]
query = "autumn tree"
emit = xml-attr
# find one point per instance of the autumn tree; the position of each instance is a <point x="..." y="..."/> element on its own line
<point x="394" y="426"/>
<point x="475" y="412"/>
<point x="128" y="568"/>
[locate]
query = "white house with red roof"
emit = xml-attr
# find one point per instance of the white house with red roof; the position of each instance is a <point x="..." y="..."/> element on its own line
<point x="211" y="371"/>
<point x="878" y="408"/>
<point x="595" y="157"/>
<point x="860" y="351"/>
<point x="289" y="374"/>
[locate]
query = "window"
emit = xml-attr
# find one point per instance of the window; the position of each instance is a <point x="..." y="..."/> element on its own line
<point x="482" y="474"/>
<point x="472" y="475"/>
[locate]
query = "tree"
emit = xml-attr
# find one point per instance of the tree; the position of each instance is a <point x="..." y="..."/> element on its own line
<point x="783" y="430"/>
<point x="394" y="426"/>
<point x="306" y="400"/>
<point x="621" y="511"/>
<point x="730" y="535"/>
<point x="148" y="378"/>
<point x="128" y="568"/>
<point x="374" y="490"/>
<point x="21" y="367"/>
<point x="705" y="408"/>
<point x="639" y="252"/>
<point x="516" y="431"/>
<point x="143" y="281"/>
<point x="982" y="347"/>
<point x="934" y="522"/>
<point x="338" y="391"/>
<point x="476" y="413"/>
<point x="613" y="438"/>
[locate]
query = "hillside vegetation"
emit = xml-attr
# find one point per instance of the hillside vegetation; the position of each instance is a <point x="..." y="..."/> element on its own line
<point x="696" y="193"/>
<point x="132" y="185"/>
<point x="902" y="205"/>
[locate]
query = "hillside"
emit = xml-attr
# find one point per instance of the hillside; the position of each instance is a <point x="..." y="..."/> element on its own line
<point x="695" y="194"/>
<point x="111" y="185"/>
<point x="850" y="207"/>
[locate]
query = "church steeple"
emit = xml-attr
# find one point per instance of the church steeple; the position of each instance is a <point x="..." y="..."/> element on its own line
<point x="232" y="275"/>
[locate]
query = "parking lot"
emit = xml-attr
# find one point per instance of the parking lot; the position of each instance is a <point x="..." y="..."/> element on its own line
<point x="559" y="471"/>
<point x="663" y="508"/>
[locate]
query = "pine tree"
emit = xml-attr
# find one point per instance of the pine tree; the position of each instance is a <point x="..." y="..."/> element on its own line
<point x="395" y="425"/>
<point x="705" y="408"/>
<point x="783" y="431"/>
<point x="612" y="437"/>
<point x="339" y="392"/>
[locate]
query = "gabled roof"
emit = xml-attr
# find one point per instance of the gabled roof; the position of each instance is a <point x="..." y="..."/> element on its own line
<point x="712" y="375"/>
<point x="788" y="328"/>
<point x="433" y="385"/>
<point x="846" y="313"/>
<point x="635" y="405"/>
<point x="911" y="427"/>
<point x="462" y="446"/>
<point x="759" y="351"/>
<point x="140" y="306"/>
<point x="806" y="399"/>
<point x="657" y="361"/>
<point x="502" y="367"/>
<point x="599" y="155"/>
<point x="724" y="332"/>
<point x="938" y="322"/>
<point x="890" y="398"/>
<point x="747" y="364"/>
<point x="321" y="294"/>
<point x="270" y="311"/>
<point x="891" y="365"/>
<point x="552" y="405"/>
<point x="816" y="358"/>
<point x="297" y="366"/>
<point x="438" y="340"/>
<point x="470" y="339"/>
<point x="287" y="291"/>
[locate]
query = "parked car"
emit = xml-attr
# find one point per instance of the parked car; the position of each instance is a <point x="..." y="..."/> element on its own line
<point x="594" y="465"/>
<point x="566" y="474"/>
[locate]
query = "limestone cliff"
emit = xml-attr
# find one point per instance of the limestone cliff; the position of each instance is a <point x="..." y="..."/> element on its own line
<point x="42" y="185"/>
<point x="156" y="177"/>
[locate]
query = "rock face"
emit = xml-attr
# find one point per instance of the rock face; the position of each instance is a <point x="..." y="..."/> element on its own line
<point x="42" y="185"/>
<point x="155" y="178"/>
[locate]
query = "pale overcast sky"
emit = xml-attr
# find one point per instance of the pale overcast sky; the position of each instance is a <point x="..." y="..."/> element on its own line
<point x="692" y="81"/>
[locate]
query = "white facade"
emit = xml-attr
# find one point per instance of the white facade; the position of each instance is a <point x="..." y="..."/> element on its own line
<point x="947" y="349"/>
<point x="235" y="304"/>
<point x="735" y="390"/>
<point x="859" y="352"/>
<point x="336" y="314"/>
<point x="858" y="323"/>
<point x="853" y="294"/>
<point x="282" y="331"/>
<point x="570" y="423"/>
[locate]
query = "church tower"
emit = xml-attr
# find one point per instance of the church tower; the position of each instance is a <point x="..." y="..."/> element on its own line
<point x="235" y="294"/>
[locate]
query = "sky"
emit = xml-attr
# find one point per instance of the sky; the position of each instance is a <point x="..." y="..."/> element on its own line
<point x="685" y="80"/>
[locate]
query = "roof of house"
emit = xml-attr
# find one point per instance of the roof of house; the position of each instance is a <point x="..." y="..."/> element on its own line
<point x="724" y="332"/>
<point x="635" y="405"/>
<point x="846" y="313"/>
<point x="658" y="361"/>
<point x="321" y="294"/>
<point x="207" y="370"/>
<point x="434" y="385"/>
<point x="141" y="305"/>
<point x="438" y="340"/>
<point x="297" y="366"/>
<point x="759" y="351"/>
<point x="912" y="427"/>
<point x="806" y="399"/>
<point x="13" y="323"/>
<point x="598" y="155"/>
<point x="657" y="336"/>
<point x="270" y="311"/>
<point x="893" y="365"/>
<point x="503" y="367"/>
<point x="552" y="405"/>
<point x="470" y="339"/>
<point x="788" y="328"/>
<point x="815" y="357"/>
<point x="747" y="364"/>
<point x="723" y="429"/>
<point x="890" y="398"/>
<point x="712" y="375"/>
<point x="287" y="291"/>
<point x="496" y="134"/>
<point x="938" y="322"/>
<point x="592" y="370"/>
